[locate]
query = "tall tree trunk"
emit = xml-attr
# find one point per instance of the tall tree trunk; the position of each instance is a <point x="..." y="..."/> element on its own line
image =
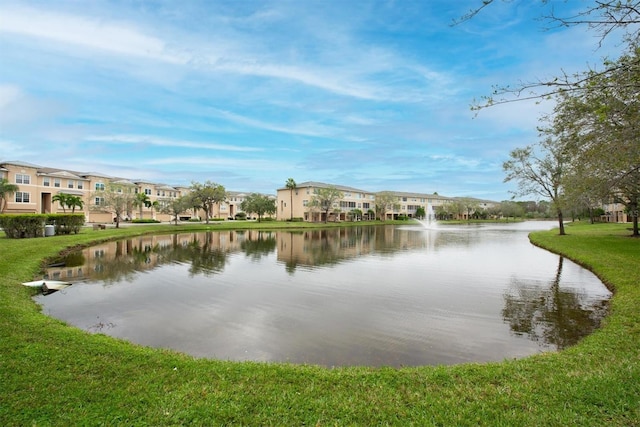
<point x="633" y="210"/>
<point x="561" y="222"/>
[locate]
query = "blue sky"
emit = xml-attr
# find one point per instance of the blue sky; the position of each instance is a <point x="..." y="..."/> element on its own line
<point x="369" y="94"/>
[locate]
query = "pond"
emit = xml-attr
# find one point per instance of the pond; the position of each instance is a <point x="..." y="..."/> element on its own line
<point x="376" y="296"/>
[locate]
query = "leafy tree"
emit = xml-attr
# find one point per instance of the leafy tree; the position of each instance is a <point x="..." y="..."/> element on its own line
<point x="207" y="195"/>
<point x="467" y="206"/>
<point x="600" y="126"/>
<point x="444" y="212"/>
<point x="291" y="185"/>
<point x="6" y="190"/>
<point x="510" y="208"/>
<point x="175" y="207"/>
<point x="324" y="199"/>
<point x="258" y="204"/>
<point x="420" y="212"/>
<point x="116" y="199"/>
<point x="386" y="201"/>
<point x="355" y="214"/>
<point x="539" y="170"/>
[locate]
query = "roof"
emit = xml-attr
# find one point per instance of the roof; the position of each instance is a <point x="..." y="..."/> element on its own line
<point x="60" y="173"/>
<point x="315" y="184"/>
<point x="418" y="195"/>
<point x="19" y="163"/>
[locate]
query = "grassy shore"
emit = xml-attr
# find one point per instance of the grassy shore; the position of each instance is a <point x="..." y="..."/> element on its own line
<point x="54" y="374"/>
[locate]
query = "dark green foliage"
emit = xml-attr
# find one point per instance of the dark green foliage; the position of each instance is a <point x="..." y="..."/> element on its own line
<point x="66" y="223"/>
<point x="145" y="221"/>
<point x="32" y="225"/>
<point x="23" y="226"/>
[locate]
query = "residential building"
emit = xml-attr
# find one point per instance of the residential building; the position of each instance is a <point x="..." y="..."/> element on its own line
<point x="296" y="203"/>
<point x="38" y="186"/>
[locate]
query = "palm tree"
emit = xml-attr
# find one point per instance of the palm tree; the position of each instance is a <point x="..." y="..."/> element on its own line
<point x="141" y="201"/>
<point x="291" y="185"/>
<point x="6" y="189"/>
<point x="74" y="202"/>
<point x="63" y="199"/>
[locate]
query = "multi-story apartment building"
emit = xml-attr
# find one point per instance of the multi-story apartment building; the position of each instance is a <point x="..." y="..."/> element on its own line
<point x="296" y="203"/>
<point x="408" y="203"/>
<point x="615" y="212"/>
<point x="38" y="186"/>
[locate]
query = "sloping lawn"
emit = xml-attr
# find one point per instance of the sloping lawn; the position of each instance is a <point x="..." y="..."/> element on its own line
<point x="54" y="374"/>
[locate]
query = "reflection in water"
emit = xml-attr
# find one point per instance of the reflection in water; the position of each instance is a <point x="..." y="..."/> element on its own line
<point x="373" y="296"/>
<point x="552" y="315"/>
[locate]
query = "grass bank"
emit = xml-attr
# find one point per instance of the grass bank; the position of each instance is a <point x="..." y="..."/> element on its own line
<point x="54" y="374"/>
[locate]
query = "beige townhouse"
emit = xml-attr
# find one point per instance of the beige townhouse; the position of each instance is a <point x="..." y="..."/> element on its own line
<point x="296" y="203"/>
<point x="38" y="186"/>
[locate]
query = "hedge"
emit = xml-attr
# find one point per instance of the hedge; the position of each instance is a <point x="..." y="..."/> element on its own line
<point x="32" y="225"/>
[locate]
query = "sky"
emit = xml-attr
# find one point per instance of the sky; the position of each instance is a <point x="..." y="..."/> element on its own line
<point x="374" y="95"/>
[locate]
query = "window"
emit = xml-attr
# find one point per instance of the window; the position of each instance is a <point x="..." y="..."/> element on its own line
<point x="99" y="186"/>
<point x="23" y="179"/>
<point x="22" y="197"/>
<point x="70" y="183"/>
<point x="147" y="191"/>
<point x="56" y="182"/>
<point x="79" y="185"/>
<point x="99" y="201"/>
<point x="45" y="181"/>
<point x="305" y="203"/>
<point x="365" y="205"/>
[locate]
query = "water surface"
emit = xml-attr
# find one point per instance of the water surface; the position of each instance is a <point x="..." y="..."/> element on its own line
<point x="376" y="296"/>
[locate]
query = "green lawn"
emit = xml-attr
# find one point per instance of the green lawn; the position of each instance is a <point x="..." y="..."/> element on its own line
<point x="54" y="374"/>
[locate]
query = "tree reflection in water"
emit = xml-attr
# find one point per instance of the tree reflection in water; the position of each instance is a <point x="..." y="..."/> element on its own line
<point x="387" y="295"/>
<point x="555" y="317"/>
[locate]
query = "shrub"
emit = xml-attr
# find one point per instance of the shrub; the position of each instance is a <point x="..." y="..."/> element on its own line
<point x="296" y="219"/>
<point x="32" y="225"/>
<point x="23" y="226"/>
<point x="66" y="223"/>
<point x="241" y="215"/>
<point x="145" y="221"/>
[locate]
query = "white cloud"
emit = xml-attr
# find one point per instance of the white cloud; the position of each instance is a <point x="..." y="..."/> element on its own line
<point x="165" y="142"/>
<point x="93" y="33"/>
